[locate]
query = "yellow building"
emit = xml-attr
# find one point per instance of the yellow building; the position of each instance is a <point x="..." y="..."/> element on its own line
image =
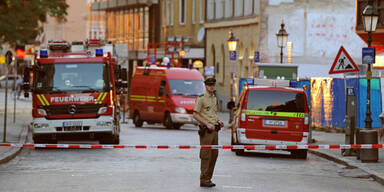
<point x="242" y="17"/>
<point x="184" y="19"/>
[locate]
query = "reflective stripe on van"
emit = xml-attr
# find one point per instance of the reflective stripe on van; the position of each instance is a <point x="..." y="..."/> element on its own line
<point x="275" y="114"/>
<point x="146" y="98"/>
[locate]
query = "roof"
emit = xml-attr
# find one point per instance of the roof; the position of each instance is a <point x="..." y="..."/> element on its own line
<point x="272" y="88"/>
<point x="176" y="72"/>
<point x="71" y="58"/>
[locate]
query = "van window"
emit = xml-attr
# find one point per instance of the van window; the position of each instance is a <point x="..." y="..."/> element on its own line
<point x="279" y="101"/>
<point x="186" y="87"/>
<point x="162" y="88"/>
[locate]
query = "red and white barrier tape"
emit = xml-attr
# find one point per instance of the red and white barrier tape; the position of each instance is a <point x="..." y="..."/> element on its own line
<point x="249" y="147"/>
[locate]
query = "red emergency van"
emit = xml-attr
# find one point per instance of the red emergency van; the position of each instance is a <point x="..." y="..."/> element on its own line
<point x="271" y="115"/>
<point x="164" y="95"/>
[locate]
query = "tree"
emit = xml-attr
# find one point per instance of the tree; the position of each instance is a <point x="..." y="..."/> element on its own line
<point x="20" y="20"/>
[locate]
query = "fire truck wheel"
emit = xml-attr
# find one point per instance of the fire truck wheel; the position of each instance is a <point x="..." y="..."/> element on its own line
<point x="137" y="120"/>
<point x="168" y="121"/>
<point x="107" y="139"/>
<point x="299" y="153"/>
<point x="239" y="152"/>
<point x="177" y="125"/>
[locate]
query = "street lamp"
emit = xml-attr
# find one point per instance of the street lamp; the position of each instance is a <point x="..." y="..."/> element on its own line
<point x="370" y="18"/>
<point x="232" y="46"/>
<point x="232" y="42"/>
<point x="369" y="136"/>
<point x="282" y="38"/>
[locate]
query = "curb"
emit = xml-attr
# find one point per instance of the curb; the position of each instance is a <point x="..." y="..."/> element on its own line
<point x="343" y="161"/>
<point x="15" y="151"/>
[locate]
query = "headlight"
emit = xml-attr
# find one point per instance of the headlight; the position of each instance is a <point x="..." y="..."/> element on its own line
<point x="41" y="112"/>
<point x="102" y="110"/>
<point x="180" y="110"/>
<point x="104" y="123"/>
<point x="40" y="125"/>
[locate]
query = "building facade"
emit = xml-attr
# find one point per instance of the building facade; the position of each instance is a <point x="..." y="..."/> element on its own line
<point x="317" y="30"/>
<point x="75" y="28"/>
<point x="185" y="19"/>
<point x="242" y="17"/>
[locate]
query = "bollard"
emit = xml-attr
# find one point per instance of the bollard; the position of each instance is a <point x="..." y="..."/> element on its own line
<point x="369" y="137"/>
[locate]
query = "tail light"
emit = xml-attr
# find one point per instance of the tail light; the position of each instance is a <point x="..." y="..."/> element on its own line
<point x="306" y="122"/>
<point x="243" y="115"/>
<point x="306" y="119"/>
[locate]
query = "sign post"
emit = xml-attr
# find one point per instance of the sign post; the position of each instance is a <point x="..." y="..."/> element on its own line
<point x="8" y="58"/>
<point x="344" y="64"/>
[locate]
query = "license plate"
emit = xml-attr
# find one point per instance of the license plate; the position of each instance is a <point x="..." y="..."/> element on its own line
<point x="275" y="123"/>
<point x="72" y="123"/>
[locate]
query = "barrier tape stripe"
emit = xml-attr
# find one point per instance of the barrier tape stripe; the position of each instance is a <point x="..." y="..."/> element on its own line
<point x="249" y="147"/>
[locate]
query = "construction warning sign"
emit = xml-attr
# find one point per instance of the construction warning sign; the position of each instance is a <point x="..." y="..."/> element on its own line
<point x="343" y="63"/>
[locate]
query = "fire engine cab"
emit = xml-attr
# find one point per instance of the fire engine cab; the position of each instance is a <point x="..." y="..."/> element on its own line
<point x="74" y="95"/>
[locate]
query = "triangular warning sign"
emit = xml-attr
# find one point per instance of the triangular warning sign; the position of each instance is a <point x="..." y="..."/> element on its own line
<point x="343" y="63"/>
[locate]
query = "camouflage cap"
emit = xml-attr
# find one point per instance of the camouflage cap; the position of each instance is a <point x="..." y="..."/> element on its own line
<point x="210" y="81"/>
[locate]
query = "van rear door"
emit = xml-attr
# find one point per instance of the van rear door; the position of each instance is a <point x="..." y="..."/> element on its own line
<point x="275" y="115"/>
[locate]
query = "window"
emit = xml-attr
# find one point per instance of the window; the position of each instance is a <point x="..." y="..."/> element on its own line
<point x="201" y="7"/>
<point x="279" y="101"/>
<point x="193" y="11"/>
<point x="162" y="88"/>
<point x="182" y="12"/>
<point x="186" y="87"/>
<point x="164" y="14"/>
<point x="171" y="11"/>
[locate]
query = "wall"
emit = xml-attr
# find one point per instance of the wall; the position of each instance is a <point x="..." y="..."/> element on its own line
<point x="217" y="55"/>
<point x="316" y="28"/>
<point x="188" y="28"/>
<point x="74" y="29"/>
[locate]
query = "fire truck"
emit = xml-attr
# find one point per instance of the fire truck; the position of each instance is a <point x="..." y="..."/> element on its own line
<point x="75" y="95"/>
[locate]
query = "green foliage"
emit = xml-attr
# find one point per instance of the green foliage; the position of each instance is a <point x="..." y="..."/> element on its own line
<point x="20" y="20"/>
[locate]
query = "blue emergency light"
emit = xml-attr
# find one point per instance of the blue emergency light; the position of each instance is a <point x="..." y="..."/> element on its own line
<point x="43" y="53"/>
<point x="99" y="52"/>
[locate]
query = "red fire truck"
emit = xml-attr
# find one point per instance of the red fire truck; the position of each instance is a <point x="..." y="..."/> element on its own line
<point x="75" y="95"/>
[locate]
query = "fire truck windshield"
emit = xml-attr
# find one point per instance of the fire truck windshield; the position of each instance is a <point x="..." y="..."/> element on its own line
<point x="72" y="77"/>
<point x="186" y="87"/>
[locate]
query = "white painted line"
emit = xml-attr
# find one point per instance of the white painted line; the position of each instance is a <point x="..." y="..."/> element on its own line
<point x="236" y="187"/>
<point x="223" y="175"/>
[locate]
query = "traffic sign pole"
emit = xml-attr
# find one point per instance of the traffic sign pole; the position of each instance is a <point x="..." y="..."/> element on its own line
<point x="8" y="57"/>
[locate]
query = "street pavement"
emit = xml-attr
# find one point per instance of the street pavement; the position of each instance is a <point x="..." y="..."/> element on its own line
<point x="17" y="133"/>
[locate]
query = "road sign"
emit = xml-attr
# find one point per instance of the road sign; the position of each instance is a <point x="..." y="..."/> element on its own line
<point x="256" y="57"/>
<point x="209" y="71"/>
<point x="369" y="54"/>
<point x="232" y="55"/>
<point x="343" y="63"/>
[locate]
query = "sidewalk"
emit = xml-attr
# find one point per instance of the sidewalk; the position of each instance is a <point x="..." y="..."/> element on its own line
<point x="376" y="170"/>
<point x="15" y="132"/>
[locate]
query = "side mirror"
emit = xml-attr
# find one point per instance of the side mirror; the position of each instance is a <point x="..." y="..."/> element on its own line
<point x="124" y="78"/>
